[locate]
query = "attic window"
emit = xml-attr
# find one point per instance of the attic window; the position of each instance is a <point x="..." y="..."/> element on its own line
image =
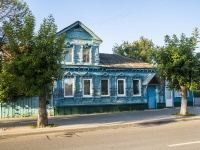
<point x="86" y="55"/>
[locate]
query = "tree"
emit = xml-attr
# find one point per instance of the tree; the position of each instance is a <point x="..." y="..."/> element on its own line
<point x="138" y="50"/>
<point x="9" y="10"/>
<point x="32" y="61"/>
<point x="178" y="63"/>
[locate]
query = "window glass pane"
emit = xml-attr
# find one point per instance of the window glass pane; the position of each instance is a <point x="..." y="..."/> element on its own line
<point x="68" y="87"/>
<point x="68" y="56"/>
<point x="136" y="87"/>
<point x="104" y="87"/>
<point x="177" y="93"/>
<point x="120" y="86"/>
<point x="86" y="55"/>
<point x="86" y="87"/>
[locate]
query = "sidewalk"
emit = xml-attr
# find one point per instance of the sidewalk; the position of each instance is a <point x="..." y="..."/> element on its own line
<point x="78" y="123"/>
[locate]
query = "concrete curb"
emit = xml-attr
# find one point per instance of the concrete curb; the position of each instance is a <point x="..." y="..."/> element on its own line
<point x="78" y="128"/>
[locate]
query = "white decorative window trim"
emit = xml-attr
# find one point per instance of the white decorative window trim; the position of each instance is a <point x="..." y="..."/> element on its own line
<point x="124" y="84"/>
<point x="108" y="88"/>
<point x="72" y="87"/>
<point x="90" y="88"/>
<point x="72" y="51"/>
<point x="139" y="88"/>
<point x="90" y="53"/>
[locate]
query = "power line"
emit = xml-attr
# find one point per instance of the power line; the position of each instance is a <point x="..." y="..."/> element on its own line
<point x="126" y="14"/>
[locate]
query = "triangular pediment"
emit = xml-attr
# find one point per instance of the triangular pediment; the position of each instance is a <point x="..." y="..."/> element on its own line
<point x="105" y="75"/>
<point x="87" y="75"/>
<point x="121" y="75"/>
<point x="151" y="79"/>
<point x="68" y="75"/>
<point x="78" y="30"/>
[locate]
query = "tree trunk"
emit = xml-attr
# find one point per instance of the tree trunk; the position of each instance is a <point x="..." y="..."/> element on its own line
<point x="183" y="110"/>
<point x="42" y="112"/>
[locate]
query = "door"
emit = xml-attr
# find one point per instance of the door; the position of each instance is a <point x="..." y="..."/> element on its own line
<point x="151" y="97"/>
<point x="168" y="96"/>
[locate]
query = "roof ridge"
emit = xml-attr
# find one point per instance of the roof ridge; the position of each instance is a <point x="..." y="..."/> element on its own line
<point x="83" y="26"/>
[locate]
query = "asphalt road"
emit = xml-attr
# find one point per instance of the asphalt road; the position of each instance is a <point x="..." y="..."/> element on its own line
<point x="171" y="136"/>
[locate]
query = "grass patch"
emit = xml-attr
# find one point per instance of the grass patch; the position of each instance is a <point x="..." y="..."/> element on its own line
<point x="33" y="126"/>
<point x="187" y="114"/>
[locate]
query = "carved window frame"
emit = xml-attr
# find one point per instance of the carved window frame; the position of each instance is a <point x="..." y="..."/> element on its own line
<point x="107" y="89"/>
<point x="139" y="88"/>
<point x="90" y="95"/>
<point x="90" y="54"/>
<point x="72" y="87"/>
<point x="124" y="84"/>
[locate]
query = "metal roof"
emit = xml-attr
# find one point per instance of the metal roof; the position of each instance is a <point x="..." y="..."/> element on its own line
<point x="118" y="61"/>
<point x="148" y="79"/>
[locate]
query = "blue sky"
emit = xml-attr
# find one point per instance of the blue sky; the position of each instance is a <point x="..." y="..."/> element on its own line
<point x="115" y="21"/>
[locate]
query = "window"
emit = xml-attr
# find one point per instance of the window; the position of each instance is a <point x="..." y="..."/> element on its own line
<point x="121" y="87"/>
<point x="179" y="93"/>
<point x="136" y="88"/>
<point x="104" y="87"/>
<point x="68" y="87"/>
<point x="87" y="88"/>
<point x="86" y="55"/>
<point x="68" y="56"/>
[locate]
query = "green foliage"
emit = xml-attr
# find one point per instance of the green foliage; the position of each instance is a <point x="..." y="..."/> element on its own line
<point x="138" y="50"/>
<point x="33" y="126"/>
<point x="196" y="93"/>
<point x="31" y="64"/>
<point x="10" y="9"/>
<point x="177" y="61"/>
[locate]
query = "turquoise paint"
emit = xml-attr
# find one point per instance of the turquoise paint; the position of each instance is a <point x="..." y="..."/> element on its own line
<point x="80" y="37"/>
<point x="189" y="97"/>
<point x="96" y="74"/>
<point x="152" y="96"/>
<point x="78" y="34"/>
<point x="24" y="107"/>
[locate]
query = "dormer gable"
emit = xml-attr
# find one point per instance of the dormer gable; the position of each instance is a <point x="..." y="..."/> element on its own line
<point x="81" y="45"/>
<point x="78" y="31"/>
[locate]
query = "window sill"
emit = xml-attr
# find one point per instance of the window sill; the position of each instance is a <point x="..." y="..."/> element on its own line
<point x="68" y="96"/>
<point x="121" y="95"/>
<point x="87" y="96"/>
<point x="105" y="95"/>
<point x="68" y="63"/>
<point x="137" y="95"/>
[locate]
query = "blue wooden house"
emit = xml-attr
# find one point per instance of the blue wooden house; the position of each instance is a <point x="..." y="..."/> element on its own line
<point x="98" y="82"/>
